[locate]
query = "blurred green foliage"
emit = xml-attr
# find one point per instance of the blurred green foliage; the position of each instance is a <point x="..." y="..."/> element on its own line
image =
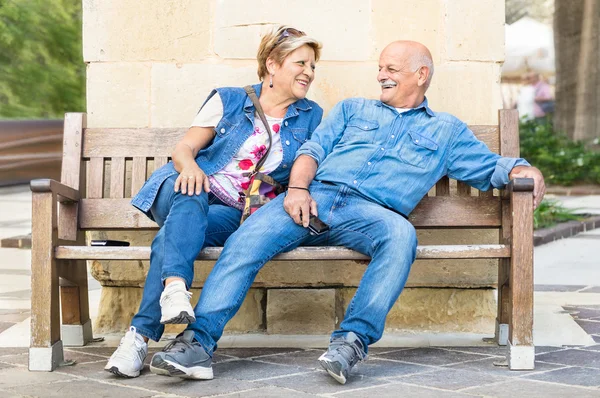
<point x="550" y="213"/>
<point x="42" y="73"/>
<point x="561" y="160"/>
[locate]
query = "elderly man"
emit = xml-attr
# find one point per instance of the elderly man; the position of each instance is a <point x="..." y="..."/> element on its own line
<point x="363" y="171"/>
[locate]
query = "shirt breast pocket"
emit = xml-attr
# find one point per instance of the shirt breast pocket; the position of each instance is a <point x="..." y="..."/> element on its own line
<point x="300" y="135"/>
<point x="360" y="131"/>
<point x="418" y="150"/>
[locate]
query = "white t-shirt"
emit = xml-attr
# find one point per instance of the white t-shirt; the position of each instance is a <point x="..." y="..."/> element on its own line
<point x="229" y="182"/>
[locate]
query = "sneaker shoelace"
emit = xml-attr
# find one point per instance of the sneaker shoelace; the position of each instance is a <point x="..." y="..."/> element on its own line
<point x="179" y="344"/>
<point x="173" y="296"/>
<point x="349" y="351"/>
<point x="128" y="348"/>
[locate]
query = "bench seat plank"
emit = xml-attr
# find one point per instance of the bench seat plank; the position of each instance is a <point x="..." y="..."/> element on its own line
<point x="301" y="253"/>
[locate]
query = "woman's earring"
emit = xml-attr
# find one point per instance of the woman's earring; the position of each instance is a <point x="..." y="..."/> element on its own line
<point x="271" y="81"/>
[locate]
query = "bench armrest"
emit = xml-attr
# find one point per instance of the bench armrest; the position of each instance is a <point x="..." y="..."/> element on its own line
<point x="63" y="192"/>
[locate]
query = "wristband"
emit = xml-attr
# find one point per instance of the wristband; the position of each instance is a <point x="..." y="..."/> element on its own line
<point x="304" y="189"/>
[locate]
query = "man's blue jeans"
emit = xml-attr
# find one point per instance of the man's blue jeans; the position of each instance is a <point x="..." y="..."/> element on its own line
<point x="355" y="222"/>
<point x="187" y="224"/>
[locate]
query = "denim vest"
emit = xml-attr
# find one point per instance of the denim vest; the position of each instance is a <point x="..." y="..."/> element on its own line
<point x="234" y="128"/>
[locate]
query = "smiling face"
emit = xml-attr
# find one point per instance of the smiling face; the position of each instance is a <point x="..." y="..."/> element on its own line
<point x="293" y="77"/>
<point x="403" y="81"/>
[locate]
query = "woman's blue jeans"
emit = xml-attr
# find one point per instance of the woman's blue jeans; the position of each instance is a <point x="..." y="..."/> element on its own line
<point x="187" y="225"/>
<point x="355" y="222"/>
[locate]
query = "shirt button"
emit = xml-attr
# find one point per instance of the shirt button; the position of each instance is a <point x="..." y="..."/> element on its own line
<point x="222" y="131"/>
<point x="369" y="163"/>
<point x="285" y="166"/>
<point x="383" y="149"/>
<point x="393" y="136"/>
<point x="287" y="142"/>
<point x="355" y="181"/>
<point x="286" y="123"/>
<point x="416" y="141"/>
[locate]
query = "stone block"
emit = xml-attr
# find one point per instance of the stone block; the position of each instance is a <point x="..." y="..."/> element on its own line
<point x="396" y="20"/>
<point x="300" y="311"/>
<point x="467" y="90"/>
<point x="179" y="90"/>
<point x="115" y="30"/>
<point x="342" y="27"/>
<point x="475" y="30"/>
<point x="439" y="310"/>
<point x="118" y="305"/>
<point x="118" y="95"/>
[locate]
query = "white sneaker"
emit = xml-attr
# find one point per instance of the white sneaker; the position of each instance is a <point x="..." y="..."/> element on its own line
<point x="128" y="359"/>
<point x="175" y="304"/>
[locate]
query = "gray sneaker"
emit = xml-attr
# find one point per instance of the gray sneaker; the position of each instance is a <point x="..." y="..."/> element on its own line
<point x="183" y="357"/>
<point x="343" y="353"/>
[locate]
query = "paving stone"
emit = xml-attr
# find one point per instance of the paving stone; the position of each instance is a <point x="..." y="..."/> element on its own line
<point x="194" y="388"/>
<point x="487" y="366"/>
<point x="18" y="359"/>
<point x="253" y="370"/>
<point x="492" y="350"/>
<point x="590" y="348"/>
<point x="590" y="327"/>
<point x="92" y="370"/>
<point x="401" y="390"/>
<point x="383" y="368"/>
<point x="451" y="379"/>
<point x="532" y="389"/>
<point x="431" y="356"/>
<point x="583" y="312"/>
<point x="272" y="392"/>
<point x="572" y="357"/>
<point x="593" y="289"/>
<point x="12" y="351"/>
<point x="543" y="349"/>
<point x="19" y="376"/>
<point x="596" y="337"/>
<point x="254" y="352"/>
<point x="558" y="288"/>
<point x="5" y="366"/>
<point x="81" y="388"/>
<point x="319" y="382"/>
<point x="5" y="325"/>
<point x="305" y="359"/>
<point x="373" y="351"/>
<point x="14" y="316"/>
<point x="575" y="376"/>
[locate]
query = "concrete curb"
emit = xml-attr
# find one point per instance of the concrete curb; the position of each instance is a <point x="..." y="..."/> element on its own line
<point x="564" y="230"/>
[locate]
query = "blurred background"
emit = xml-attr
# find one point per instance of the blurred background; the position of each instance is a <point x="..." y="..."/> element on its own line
<point x="550" y="75"/>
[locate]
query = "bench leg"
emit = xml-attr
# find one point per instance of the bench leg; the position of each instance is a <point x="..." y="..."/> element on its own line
<point x="520" y="339"/>
<point x="76" y="327"/>
<point x="45" y="352"/>
<point x="502" y="318"/>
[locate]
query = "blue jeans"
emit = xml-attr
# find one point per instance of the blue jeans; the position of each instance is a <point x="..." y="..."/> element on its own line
<point x="187" y="225"/>
<point x="355" y="222"/>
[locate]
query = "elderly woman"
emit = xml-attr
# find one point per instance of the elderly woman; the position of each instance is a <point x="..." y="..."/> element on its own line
<point x="197" y="199"/>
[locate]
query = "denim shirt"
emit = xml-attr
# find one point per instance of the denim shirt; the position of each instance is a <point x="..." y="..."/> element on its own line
<point x="395" y="158"/>
<point x="234" y="128"/>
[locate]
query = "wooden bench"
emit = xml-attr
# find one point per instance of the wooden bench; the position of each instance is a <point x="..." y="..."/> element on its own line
<point x="63" y="211"/>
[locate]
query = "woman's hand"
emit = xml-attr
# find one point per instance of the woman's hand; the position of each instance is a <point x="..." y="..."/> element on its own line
<point x="192" y="179"/>
<point x="299" y="205"/>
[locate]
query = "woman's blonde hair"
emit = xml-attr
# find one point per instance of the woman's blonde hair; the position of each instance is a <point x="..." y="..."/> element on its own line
<point x="280" y="42"/>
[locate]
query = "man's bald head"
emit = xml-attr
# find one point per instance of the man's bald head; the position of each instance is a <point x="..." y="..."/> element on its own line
<point x="415" y="54"/>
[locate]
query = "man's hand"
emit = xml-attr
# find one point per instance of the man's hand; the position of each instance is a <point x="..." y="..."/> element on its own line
<point x="539" y="187"/>
<point x="299" y="205"/>
<point x="190" y="179"/>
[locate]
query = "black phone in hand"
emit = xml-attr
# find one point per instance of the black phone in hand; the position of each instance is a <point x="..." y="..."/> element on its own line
<point x="316" y="226"/>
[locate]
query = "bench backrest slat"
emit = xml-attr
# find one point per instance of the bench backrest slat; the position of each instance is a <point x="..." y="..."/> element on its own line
<point x="448" y="211"/>
<point x="138" y="174"/>
<point x="95" y="180"/>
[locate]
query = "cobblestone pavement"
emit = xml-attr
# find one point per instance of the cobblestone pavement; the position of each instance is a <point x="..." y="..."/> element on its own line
<point x="271" y="372"/>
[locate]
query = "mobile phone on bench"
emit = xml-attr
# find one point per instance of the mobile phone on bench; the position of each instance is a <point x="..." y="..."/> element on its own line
<point x="108" y="242"/>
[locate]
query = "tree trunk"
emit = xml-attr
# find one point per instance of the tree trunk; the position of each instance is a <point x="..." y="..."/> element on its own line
<point x="577" y="43"/>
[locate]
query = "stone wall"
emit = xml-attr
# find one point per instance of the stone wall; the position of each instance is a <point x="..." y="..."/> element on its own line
<point x="151" y="64"/>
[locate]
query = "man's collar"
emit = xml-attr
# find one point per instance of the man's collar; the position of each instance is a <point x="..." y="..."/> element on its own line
<point x="424" y="105"/>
